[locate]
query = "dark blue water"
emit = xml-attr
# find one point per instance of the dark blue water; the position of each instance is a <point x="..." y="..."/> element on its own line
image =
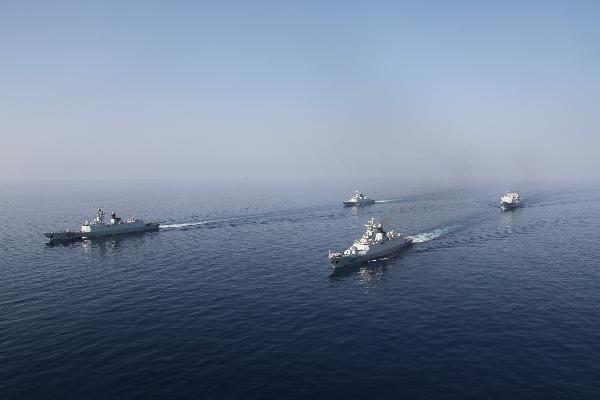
<point x="235" y="298"/>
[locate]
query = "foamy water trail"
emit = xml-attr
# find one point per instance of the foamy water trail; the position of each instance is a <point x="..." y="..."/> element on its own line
<point x="387" y="201"/>
<point x="196" y="223"/>
<point x="427" y="236"/>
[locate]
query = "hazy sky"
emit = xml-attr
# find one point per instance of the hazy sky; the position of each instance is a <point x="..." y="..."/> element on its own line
<point x="432" y="90"/>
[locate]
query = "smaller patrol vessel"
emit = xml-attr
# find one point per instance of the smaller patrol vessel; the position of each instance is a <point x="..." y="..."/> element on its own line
<point x="510" y="200"/>
<point x="98" y="228"/>
<point x="358" y="199"/>
<point x="374" y="244"/>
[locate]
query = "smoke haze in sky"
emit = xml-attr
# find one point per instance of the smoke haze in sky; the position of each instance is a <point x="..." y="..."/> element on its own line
<point x="418" y="90"/>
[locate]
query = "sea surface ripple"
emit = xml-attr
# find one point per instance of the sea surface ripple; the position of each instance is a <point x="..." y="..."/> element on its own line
<point x="233" y="297"/>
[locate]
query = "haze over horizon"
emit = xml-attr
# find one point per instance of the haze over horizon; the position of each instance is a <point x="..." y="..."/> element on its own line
<point x="462" y="91"/>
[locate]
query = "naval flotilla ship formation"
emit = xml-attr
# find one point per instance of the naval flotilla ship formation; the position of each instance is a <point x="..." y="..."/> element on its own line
<point x="99" y="228"/>
<point x="374" y="244"/>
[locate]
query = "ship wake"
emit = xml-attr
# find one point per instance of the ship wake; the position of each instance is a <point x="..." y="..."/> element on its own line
<point x="196" y="223"/>
<point x="431" y="235"/>
<point x="388" y="201"/>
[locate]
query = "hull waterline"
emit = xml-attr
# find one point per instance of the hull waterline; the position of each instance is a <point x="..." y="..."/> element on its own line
<point x="509" y="206"/>
<point x="348" y="203"/>
<point x="360" y="260"/>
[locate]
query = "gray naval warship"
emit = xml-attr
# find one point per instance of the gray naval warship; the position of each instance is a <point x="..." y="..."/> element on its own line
<point x="358" y="199"/>
<point x="510" y="200"/>
<point x="99" y="228"/>
<point x="374" y="244"/>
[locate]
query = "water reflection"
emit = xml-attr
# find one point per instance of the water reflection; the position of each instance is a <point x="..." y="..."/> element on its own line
<point x="369" y="274"/>
<point x="105" y="243"/>
<point x="356" y="211"/>
<point x="508" y="220"/>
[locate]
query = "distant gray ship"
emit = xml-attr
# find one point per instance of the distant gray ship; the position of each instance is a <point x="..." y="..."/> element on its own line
<point x="510" y="200"/>
<point x="358" y="199"/>
<point x="98" y="228"/>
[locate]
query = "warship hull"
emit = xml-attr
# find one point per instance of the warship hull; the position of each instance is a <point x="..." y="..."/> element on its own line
<point x="509" y="206"/>
<point x="376" y="251"/>
<point x="121" y="229"/>
<point x="350" y="203"/>
<point x="63" y="236"/>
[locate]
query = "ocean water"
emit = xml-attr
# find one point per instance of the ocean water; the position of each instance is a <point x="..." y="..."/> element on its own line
<point x="234" y="298"/>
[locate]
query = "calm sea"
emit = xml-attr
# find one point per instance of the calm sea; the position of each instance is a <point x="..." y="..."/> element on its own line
<point x="234" y="298"/>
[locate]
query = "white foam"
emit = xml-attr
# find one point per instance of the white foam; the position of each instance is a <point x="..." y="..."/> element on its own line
<point x="186" y="224"/>
<point x="427" y="236"/>
<point x="388" y="201"/>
